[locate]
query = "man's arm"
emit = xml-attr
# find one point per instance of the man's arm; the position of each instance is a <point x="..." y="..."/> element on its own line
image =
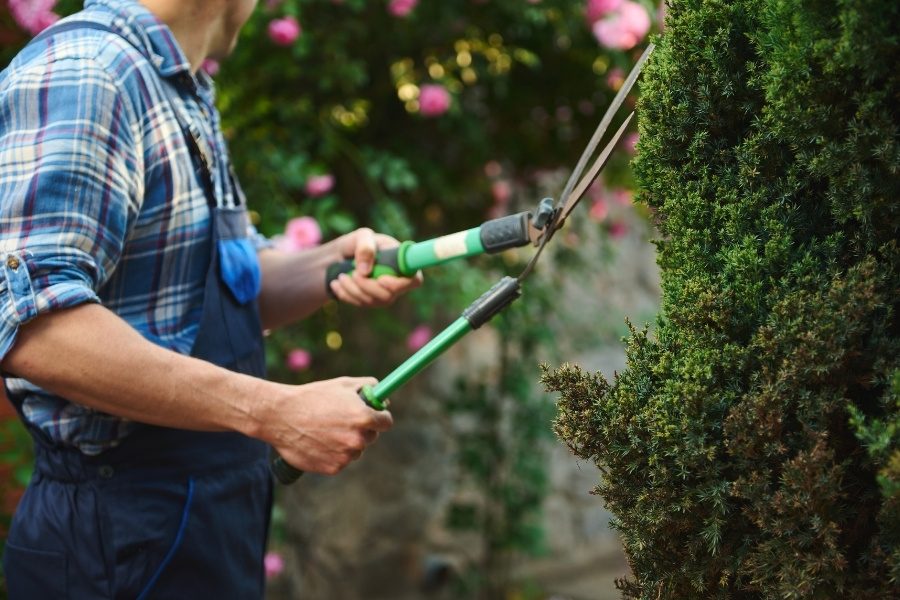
<point x="70" y="188"/>
<point x="90" y="356"/>
<point x="293" y="283"/>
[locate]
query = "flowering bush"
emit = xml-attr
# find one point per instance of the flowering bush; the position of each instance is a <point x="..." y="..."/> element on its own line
<point x="415" y="119"/>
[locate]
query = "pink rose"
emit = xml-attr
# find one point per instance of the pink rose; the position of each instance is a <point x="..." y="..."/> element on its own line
<point x="501" y="190"/>
<point x="300" y="233"/>
<point x="434" y="100"/>
<point x="418" y="337"/>
<point x="33" y="16"/>
<point x="599" y="210"/>
<point x="623" y="28"/>
<point x="210" y="66"/>
<point x="274" y="564"/>
<point x="319" y="185"/>
<point x="597" y="8"/>
<point x="284" y="32"/>
<point x="298" y="360"/>
<point x="618" y="230"/>
<point x="401" y="8"/>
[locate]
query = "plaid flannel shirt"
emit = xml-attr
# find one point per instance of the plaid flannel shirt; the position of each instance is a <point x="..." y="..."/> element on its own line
<point x="99" y="199"/>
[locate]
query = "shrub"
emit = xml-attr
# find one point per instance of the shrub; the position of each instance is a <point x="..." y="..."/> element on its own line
<point x="750" y="448"/>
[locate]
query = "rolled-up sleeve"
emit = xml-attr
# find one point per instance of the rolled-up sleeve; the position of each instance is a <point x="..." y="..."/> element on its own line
<point x="69" y="187"/>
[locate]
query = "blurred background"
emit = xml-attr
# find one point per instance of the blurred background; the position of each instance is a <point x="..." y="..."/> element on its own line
<point x="418" y="119"/>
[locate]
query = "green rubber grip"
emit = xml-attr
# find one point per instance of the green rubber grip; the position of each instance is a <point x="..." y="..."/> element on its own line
<point x="285" y="474"/>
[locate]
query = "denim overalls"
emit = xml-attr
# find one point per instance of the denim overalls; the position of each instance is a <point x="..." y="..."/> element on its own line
<point x="169" y="513"/>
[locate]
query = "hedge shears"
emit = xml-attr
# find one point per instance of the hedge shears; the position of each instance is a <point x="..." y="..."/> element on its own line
<point x="493" y="236"/>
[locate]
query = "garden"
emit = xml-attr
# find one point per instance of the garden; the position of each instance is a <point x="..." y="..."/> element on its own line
<point x="710" y="347"/>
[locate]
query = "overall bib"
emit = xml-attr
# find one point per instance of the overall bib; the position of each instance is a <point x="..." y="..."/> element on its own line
<point x="169" y="513"/>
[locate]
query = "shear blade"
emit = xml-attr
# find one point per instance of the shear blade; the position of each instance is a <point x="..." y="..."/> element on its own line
<point x="566" y="198"/>
<point x="572" y="201"/>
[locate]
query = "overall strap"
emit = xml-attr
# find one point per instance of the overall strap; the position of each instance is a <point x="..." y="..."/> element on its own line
<point x="190" y="131"/>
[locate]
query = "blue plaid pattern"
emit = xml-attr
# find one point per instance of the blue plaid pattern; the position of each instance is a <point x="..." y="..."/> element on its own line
<point x="99" y="197"/>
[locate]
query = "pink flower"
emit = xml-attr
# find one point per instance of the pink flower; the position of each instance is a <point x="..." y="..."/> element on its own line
<point x="300" y="233"/>
<point x="401" y="8"/>
<point x="618" y="230"/>
<point x="284" y="32"/>
<point x="599" y="210"/>
<point x="597" y="8"/>
<point x="319" y="185"/>
<point x="34" y="16"/>
<point x="210" y="66"/>
<point x="629" y="142"/>
<point x="418" y="337"/>
<point x="298" y="360"/>
<point x="623" y="28"/>
<point x="501" y="190"/>
<point x="274" y="564"/>
<point x="434" y="100"/>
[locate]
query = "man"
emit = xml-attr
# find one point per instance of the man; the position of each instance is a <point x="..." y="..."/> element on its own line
<point x="133" y="294"/>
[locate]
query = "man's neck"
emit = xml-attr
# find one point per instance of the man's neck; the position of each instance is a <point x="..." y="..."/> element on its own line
<point x="193" y="23"/>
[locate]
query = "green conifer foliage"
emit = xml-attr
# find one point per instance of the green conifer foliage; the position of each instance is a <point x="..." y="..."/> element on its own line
<point x="751" y="449"/>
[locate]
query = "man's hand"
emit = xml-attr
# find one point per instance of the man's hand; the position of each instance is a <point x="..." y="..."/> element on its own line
<point x="361" y="290"/>
<point x="322" y="426"/>
<point x="319" y="427"/>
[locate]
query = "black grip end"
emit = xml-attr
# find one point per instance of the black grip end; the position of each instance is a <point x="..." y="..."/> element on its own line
<point x="284" y="473"/>
<point x="506" y="232"/>
<point x="387" y="262"/>
<point x="334" y="270"/>
<point x="492" y="301"/>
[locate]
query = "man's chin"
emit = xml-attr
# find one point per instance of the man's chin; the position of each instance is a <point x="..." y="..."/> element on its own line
<point x="223" y="52"/>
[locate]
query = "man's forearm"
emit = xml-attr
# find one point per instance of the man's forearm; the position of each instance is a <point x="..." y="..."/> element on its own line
<point x="90" y="356"/>
<point x="293" y="284"/>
